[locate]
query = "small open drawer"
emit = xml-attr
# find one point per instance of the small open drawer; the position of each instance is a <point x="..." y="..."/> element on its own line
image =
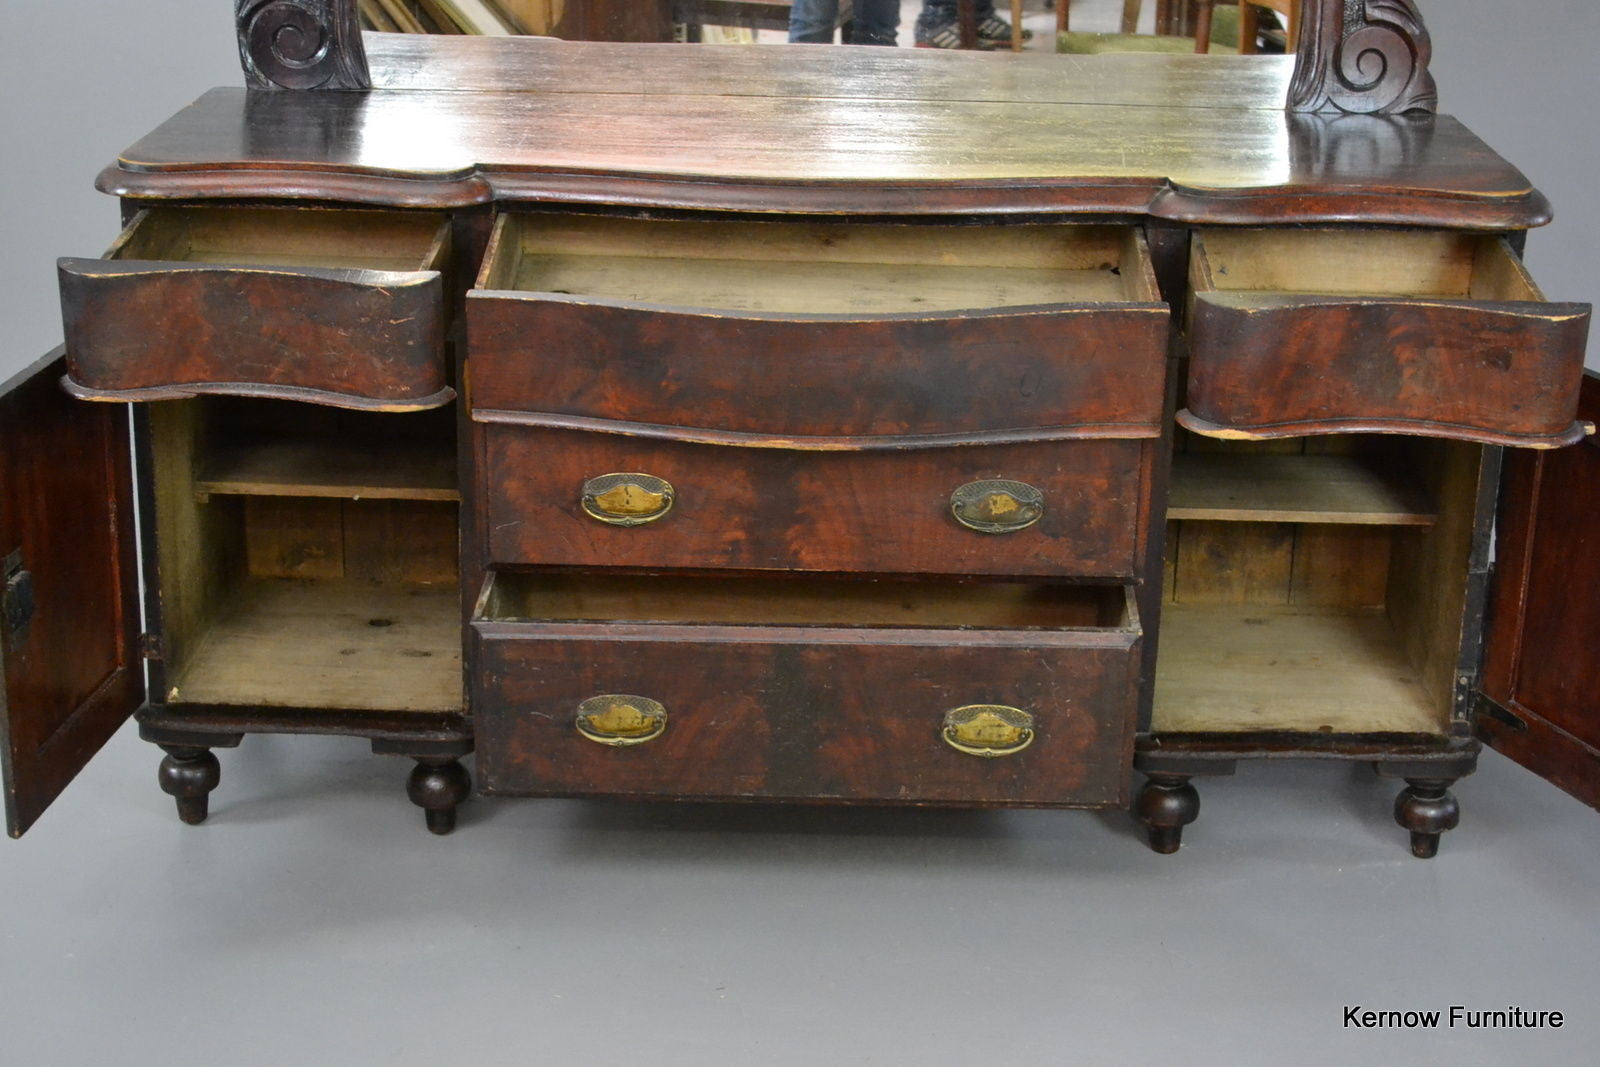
<point x="1296" y="332"/>
<point x="914" y="692"/>
<point x="773" y="331"/>
<point x="329" y="306"/>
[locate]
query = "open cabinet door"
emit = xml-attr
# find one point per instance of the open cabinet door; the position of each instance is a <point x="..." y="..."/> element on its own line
<point x="1542" y="661"/>
<point x="70" y="665"/>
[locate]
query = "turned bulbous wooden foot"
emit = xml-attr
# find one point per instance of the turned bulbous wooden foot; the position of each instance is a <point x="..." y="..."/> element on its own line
<point x="1167" y="804"/>
<point x="188" y="775"/>
<point x="438" y="786"/>
<point x="1427" y="808"/>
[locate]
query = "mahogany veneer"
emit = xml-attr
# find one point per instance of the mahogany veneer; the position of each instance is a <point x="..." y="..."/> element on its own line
<point x="809" y="445"/>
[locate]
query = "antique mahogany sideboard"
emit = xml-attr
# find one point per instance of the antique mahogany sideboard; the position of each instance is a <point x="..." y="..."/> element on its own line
<point x="823" y="424"/>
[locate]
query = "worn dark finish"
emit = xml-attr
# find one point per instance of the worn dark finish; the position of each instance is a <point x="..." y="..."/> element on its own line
<point x="188" y="775"/>
<point x="438" y="786"/>
<point x="151" y="329"/>
<point x="1191" y="138"/>
<point x="1075" y="372"/>
<point x="1483" y="366"/>
<point x="1428" y="809"/>
<point x="892" y="547"/>
<point x="1544" y="626"/>
<point x="815" y="713"/>
<point x="1362" y="56"/>
<point x="765" y="508"/>
<point x="301" y="44"/>
<point x="1166" y="804"/>
<point x="69" y="663"/>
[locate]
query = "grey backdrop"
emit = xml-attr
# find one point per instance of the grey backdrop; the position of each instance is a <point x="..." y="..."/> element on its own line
<point x="313" y="916"/>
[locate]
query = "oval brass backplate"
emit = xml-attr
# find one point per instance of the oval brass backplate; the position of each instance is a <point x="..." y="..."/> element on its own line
<point x="627" y="499"/>
<point x="620" y="719"/>
<point x="988" y="729"/>
<point x="997" y="505"/>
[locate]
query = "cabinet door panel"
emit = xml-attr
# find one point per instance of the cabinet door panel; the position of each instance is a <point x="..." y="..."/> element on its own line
<point x="1543" y="658"/>
<point x="70" y="666"/>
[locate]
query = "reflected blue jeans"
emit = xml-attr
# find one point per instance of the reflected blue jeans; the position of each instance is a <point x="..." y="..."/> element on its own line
<point x="875" y="22"/>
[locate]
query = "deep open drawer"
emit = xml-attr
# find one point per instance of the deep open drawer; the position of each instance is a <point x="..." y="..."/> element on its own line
<point x="341" y="307"/>
<point x="913" y="692"/>
<point x="767" y="331"/>
<point x="1297" y="332"/>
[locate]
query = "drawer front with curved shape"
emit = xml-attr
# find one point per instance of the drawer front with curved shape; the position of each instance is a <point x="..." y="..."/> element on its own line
<point x="820" y="336"/>
<point x="579" y="498"/>
<point x="345" y="308"/>
<point x="1436" y="334"/>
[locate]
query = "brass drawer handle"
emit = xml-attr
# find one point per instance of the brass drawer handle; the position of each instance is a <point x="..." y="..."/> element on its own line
<point x="619" y="720"/>
<point x="988" y="730"/>
<point x="997" y="505"/>
<point x="627" y="499"/>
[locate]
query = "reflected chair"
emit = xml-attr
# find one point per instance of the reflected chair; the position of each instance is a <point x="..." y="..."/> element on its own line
<point x="1181" y="26"/>
<point x="746" y="14"/>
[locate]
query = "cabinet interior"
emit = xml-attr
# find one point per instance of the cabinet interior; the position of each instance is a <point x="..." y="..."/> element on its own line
<point x="817" y="268"/>
<point x="308" y="556"/>
<point x="287" y="237"/>
<point x="1366" y="262"/>
<point x="521" y="596"/>
<point x="1315" y="585"/>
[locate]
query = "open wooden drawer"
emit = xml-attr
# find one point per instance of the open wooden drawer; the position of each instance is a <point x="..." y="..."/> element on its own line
<point x="913" y="692"/>
<point x="818" y="335"/>
<point x="341" y="307"/>
<point x="1295" y="332"/>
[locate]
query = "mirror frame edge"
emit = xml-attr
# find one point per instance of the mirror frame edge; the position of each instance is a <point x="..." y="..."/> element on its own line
<point x="1353" y="56"/>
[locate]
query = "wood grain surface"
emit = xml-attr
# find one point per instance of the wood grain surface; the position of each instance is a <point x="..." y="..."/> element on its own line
<point x="806" y="712"/>
<point x="760" y="508"/>
<point x="292" y="304"/>
<point x="1192" y="138"/>
<point x="1541" y="658"/>
<point x="1315" y="331"/>
<point x="71" y="674"/>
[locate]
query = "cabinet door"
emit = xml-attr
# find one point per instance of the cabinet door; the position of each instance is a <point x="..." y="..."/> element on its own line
<point x="69" y="656"/>
<point x="1542" y="663"/>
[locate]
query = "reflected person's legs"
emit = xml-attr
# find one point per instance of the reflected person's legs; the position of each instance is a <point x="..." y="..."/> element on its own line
<point x="876" y="22"/>
<point x="811" y="21"/>
<point x="937" y="21"/>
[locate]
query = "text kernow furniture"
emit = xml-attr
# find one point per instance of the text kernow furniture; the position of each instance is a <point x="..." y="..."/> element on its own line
<point x="657" y="421"/>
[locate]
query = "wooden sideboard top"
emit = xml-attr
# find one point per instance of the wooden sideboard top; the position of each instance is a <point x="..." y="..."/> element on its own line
<point x="453" y="121"/>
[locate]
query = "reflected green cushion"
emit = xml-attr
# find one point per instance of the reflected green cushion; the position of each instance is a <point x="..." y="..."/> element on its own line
<point x="1224" y="34"/>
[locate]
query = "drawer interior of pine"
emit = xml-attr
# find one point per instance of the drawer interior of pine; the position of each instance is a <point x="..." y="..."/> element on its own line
<point x="308" y="556"/>
<point x="512" y="596"/>
<point x="820" y="268"/>
<point x="1315" y="585"/>
<point x="1401" y="263"/>
<point x="288" y="237"/>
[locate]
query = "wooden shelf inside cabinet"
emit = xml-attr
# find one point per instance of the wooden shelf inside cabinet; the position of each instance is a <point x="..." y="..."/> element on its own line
<point x="334" y="644"/>
<point x="1293" y="488"/>
<point x="1249" y="669"/>
<point x="348" y="471"/>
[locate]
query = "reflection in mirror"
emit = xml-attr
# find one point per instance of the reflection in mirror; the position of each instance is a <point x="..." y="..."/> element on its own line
<point x="1069" y="26"/>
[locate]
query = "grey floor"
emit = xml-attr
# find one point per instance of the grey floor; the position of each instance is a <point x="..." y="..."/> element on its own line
<point x="313" y="916"/>
<point x="314" y="921"/>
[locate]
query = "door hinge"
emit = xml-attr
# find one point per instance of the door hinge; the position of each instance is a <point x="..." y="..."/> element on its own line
<point x="151" y="646"/>
<point x="1491" y="709"/>
<point x="18" y="596"/>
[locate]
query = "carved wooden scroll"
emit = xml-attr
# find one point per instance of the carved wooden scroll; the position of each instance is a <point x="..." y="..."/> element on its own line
<point x="1362" y="56"/>
<point x="301" y="44"/>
